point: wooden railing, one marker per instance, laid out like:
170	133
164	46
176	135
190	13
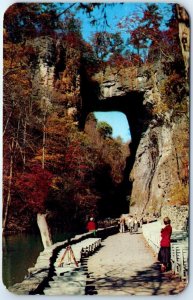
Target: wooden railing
179	259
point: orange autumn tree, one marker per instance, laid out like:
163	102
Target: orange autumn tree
70	158
18	142
24	124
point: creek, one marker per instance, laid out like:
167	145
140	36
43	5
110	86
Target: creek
20	252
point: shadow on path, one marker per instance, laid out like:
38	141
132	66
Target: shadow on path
127	266
148	281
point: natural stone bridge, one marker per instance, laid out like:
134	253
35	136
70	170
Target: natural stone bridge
153	167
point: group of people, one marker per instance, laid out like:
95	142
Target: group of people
132	224
129	223
164	255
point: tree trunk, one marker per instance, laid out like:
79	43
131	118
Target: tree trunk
24	144
44	230
44	143
8	201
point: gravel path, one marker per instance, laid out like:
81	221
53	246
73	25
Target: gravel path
125	265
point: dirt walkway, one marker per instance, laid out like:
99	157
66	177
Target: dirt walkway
125	265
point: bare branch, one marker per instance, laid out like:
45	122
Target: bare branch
64	11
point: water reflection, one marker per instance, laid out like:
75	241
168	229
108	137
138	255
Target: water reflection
20	252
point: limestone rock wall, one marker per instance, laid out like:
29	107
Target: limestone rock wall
155	171
178	215
115	84
158	164
43	67
55	76
184	34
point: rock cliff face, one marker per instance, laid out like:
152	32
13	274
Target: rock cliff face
155	166
179	216
184	34
54	85
155	173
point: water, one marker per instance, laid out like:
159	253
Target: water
20	252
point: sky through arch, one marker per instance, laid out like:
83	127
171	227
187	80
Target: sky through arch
118	122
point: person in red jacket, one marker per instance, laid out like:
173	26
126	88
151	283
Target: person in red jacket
91	225
164	255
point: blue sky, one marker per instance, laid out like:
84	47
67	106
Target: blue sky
115	14
118	122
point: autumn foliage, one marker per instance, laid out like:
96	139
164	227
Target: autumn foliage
34	187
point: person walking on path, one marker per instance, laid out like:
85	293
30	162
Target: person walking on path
129	224
122	224
135	225
164	255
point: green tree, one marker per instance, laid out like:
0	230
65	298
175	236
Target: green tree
104	129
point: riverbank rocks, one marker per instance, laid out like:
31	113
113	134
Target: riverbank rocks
72	281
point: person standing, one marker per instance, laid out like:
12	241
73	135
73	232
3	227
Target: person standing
164	255
130	223
91	225
135	225
122	224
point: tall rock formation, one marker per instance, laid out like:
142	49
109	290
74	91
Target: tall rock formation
158	166
159	153
184	34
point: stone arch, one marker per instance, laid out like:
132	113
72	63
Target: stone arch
133	91
131	104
